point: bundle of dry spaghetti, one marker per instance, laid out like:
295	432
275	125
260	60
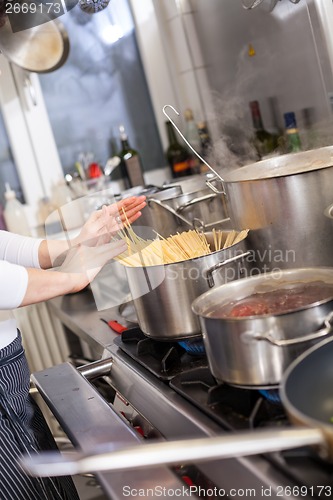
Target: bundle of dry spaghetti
176	248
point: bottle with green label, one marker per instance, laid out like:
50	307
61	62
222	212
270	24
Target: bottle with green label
265	142
131	167
177	155
292	134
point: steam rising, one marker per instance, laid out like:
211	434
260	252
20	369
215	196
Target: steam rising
232	126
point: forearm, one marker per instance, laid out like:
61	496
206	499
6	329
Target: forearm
51	253
44	286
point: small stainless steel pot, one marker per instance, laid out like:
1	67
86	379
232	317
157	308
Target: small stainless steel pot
255	351
162	295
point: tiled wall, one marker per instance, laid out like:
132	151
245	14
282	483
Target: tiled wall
185	57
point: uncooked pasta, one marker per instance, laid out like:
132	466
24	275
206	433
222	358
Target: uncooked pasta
176	248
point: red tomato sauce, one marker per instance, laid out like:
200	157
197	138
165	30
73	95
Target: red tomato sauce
277	301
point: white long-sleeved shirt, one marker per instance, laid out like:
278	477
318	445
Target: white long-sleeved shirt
16	254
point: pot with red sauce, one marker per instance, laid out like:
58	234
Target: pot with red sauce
254	328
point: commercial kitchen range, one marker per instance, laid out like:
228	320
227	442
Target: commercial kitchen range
142	389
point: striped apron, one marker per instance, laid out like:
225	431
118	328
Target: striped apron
23	430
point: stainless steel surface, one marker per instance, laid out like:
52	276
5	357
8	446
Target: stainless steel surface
179	219
166	192
227	25
96	369
172	452
189	184
180	419
89	421
78	312
282	201
207	208
162	295
200	209
238	349
317	335
251	4
39	49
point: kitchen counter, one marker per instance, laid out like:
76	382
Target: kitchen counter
78	312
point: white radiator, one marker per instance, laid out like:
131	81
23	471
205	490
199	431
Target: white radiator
45	345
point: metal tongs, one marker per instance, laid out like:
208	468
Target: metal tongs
217	176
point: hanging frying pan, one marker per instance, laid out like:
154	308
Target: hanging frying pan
39	49
306	394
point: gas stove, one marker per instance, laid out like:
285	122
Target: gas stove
183	367
170	386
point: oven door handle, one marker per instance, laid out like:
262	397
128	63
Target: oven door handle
108	458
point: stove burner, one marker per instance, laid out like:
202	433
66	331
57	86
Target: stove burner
231	407
163	359
193	346
272	395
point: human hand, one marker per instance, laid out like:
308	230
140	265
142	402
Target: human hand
85	262
104	223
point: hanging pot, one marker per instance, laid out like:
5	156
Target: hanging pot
39	49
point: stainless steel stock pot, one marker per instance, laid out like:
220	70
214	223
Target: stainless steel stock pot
286	202
254	351
163	294
191	204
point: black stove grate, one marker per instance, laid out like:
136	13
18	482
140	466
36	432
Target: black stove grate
231	407
163	359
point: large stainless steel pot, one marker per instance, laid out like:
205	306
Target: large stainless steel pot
163	295
201	209
255	351
285	202
191	183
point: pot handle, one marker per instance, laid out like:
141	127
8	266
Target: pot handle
328	327
169	209
207	197
329	212
209	272
213	188
216	222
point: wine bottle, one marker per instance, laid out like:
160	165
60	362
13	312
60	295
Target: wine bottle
177	155
293	138
131	167
264	142
205	144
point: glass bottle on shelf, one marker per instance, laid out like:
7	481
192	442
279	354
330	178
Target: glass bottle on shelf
177	155
205	144
131	167
292	133
14	214
265	142
193	137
